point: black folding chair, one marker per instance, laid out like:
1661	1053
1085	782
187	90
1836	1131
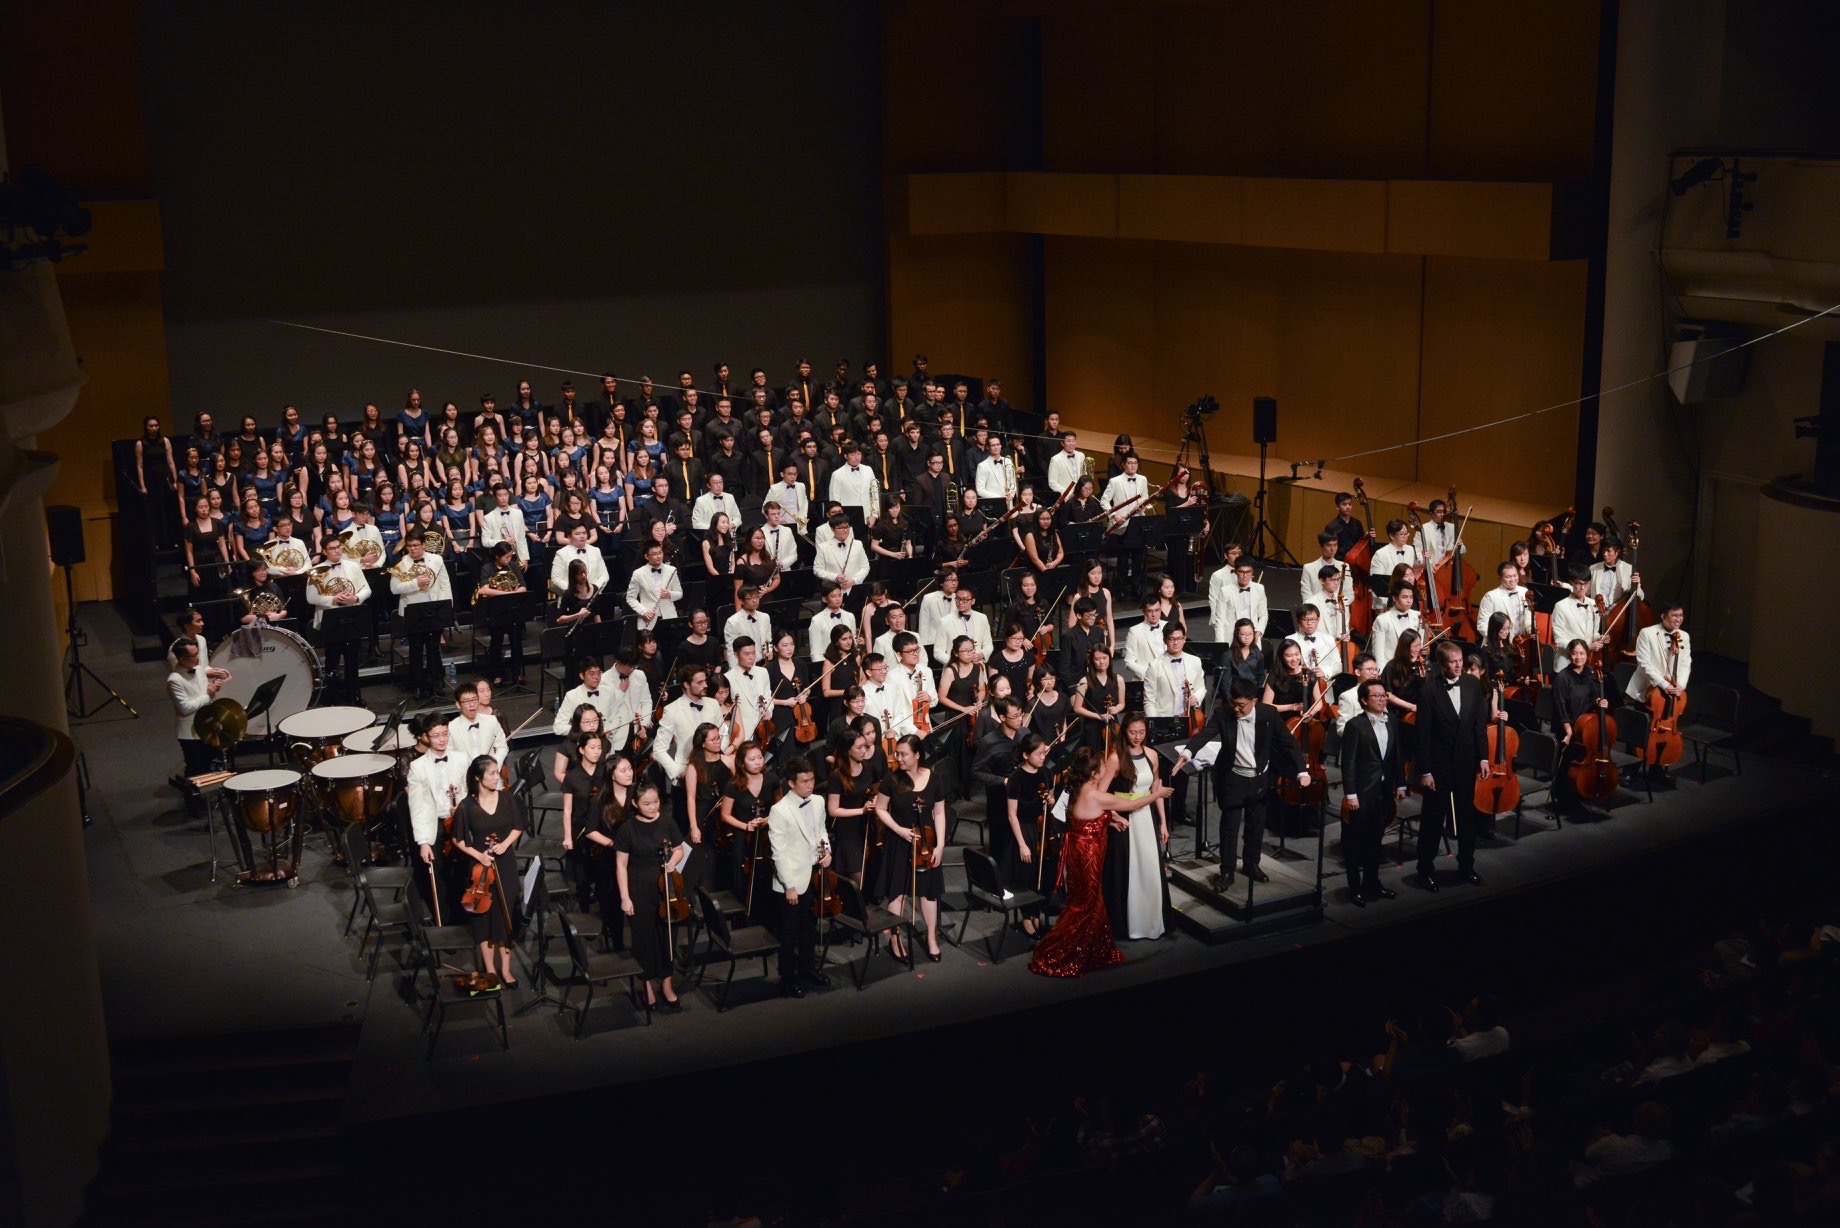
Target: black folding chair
986	890
748	942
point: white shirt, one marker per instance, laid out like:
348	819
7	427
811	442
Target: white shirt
1435	541
909	686
1383	737
953	625
506	524
601	697
1347	707
1311	588
795	830
1227	604
1389	625
857	486
631	699
354	576
1245	743
412	594
1573	619
559	567
749	689
1514	604
1654	659
1334	620
755	626
836	560
671	749
934	606
1323	645
792	502
1123	489
818	635
994	478
883	700
660	587
708	504
1163	679
1386	558
190	692
1612	582
484	736
437	783
1143	644
1064	468
364	533
782	544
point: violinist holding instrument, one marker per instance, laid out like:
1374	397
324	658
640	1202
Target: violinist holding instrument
744	813
487	826
849	792
911	806
643	868
1373	782
798	844
1030	795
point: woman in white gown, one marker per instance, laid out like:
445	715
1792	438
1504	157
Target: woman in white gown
1147	831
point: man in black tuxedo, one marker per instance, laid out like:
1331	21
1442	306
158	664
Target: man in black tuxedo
1452	748
1253	742
1373	776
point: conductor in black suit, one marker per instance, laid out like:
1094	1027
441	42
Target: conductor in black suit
1253	741
1453	749
1373	776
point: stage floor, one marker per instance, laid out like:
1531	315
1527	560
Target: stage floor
183	956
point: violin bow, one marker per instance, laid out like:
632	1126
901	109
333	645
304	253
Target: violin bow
434	892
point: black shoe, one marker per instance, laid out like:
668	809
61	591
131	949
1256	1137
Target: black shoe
670	1006
1383	893
1255	874
1424	882
1223	881
816	979
1358	900
789	987
935	956
1472	878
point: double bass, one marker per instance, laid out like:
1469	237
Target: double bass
1639	615
1359	558
1664	741
1456	578
1593	772
1499	791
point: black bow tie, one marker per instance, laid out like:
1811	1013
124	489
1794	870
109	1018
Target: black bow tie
1453	684
658	571
591	695
804	803
697	707
474	725
442	759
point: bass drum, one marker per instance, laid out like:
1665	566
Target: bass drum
279	654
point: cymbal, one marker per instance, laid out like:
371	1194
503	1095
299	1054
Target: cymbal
220	724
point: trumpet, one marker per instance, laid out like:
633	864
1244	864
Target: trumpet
327	581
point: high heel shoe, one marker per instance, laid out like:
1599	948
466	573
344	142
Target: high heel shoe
935	956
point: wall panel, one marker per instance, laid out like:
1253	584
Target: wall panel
1098	92
1101	333
965	302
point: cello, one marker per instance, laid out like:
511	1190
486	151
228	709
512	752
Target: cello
1664	741
1359	557
1593	773
1310	730
1457	577
1499	791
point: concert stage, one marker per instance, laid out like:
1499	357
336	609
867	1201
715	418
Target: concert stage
182	956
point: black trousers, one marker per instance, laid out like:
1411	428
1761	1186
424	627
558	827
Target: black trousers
1363	834
345	651
425	661
798	935
1242	817
198	756
515	633
1435	818
1163	730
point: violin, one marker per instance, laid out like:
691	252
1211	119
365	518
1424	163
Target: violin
923	716
1499	791
1359	558
750	852
477	898
1196	718
1593	773
765	729
673	905
828	902
1664	741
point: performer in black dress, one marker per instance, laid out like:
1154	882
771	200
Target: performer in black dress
1051	707
1014	659
911	799
853	777
744	813
581	790
706	778
1098	699
1030	863
597	836
641	846
487	825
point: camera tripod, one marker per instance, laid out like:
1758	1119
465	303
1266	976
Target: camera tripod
74	669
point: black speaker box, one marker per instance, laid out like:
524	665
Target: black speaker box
65	524
1264	419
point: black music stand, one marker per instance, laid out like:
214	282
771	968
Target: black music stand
1173	751
1082	539
509	613
428	618
1182	522
670	632
262	704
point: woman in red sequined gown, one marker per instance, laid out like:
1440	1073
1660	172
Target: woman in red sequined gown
1081	939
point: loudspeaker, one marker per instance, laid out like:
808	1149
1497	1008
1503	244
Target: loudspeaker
1264	419
1706	368
65	524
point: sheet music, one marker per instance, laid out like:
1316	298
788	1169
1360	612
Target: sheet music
1206	756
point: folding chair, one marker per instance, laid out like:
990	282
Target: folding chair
748	942
1713	722
590	970
871	921
986	890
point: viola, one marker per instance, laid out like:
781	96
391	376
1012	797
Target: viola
1664	741
1593	772
477	898
804	723
1359	557
1500	791
1197	720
